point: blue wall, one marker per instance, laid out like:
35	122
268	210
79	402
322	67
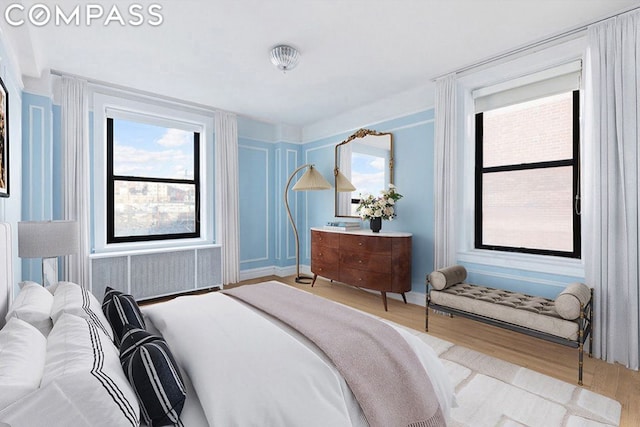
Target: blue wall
267	243
256	180
266	238
413	137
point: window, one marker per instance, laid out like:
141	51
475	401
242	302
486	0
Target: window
527	174
153	181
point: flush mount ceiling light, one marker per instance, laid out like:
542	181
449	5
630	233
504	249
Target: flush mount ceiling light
285	57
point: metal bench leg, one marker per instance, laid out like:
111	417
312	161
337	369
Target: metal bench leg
580	363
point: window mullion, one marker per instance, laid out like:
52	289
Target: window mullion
159	180
528	166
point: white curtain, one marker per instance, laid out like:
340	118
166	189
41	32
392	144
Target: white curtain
445	170
611	184
227	195
75	163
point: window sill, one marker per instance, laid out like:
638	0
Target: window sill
152	246
538	263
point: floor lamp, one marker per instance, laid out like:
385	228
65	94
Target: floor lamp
47	240
311	180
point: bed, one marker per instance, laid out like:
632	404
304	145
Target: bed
219	359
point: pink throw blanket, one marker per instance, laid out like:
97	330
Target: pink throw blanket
381	369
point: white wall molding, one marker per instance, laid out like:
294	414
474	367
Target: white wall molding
386	109
183	116
535	62
42	86
267	198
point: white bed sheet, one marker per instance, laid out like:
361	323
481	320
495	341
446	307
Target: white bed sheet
248	368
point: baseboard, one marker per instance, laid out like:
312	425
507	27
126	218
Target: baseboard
255	273
273	270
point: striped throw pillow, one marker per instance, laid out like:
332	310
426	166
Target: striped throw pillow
121	309
153	373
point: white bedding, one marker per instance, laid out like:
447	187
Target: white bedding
249	369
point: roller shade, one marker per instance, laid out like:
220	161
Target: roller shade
564	78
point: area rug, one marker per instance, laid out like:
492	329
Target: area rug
492	392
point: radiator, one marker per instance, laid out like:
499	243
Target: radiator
154	273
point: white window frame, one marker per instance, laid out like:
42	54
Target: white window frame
538	62
162	113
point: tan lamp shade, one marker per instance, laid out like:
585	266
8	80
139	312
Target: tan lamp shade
343	185
311	180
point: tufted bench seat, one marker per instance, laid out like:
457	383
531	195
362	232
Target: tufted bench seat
565	320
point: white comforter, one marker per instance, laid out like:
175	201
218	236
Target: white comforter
249	369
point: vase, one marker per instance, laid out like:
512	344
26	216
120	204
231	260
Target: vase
375	224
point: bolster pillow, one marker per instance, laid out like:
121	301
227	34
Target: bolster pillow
568	301
445	277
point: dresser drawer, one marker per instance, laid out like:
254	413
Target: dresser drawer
325	238
324	254
370	244
366	279
325	269
368	261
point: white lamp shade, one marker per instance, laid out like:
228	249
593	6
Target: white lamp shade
47	239
311	180
343	185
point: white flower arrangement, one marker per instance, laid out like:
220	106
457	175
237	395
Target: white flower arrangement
382	206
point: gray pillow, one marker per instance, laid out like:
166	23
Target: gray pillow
445	277
568	301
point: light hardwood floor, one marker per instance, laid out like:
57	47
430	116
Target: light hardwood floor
555	360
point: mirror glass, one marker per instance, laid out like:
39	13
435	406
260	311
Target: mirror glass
366	160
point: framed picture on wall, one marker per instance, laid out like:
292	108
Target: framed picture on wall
4	140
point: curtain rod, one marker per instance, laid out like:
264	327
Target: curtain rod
547	41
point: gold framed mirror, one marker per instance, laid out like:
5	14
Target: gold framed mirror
365	160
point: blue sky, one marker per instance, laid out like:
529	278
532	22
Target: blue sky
367	173
152	151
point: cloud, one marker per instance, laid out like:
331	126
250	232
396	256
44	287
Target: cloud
379	163
371	183
175	138
171	163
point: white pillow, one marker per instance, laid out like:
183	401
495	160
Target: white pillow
73	299
85	365
39	408
22	356
33	305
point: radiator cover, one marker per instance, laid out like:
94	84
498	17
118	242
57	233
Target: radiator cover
154	273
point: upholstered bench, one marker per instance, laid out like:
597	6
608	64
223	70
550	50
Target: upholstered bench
566	320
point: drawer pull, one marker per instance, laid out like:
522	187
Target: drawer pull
359	243
359	261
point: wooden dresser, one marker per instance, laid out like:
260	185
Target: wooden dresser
377	261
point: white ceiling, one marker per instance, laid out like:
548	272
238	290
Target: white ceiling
353	52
